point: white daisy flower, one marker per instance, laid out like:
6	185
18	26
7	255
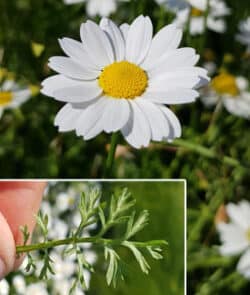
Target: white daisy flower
244	35
120	79
196	11
232	91
235	235
97	7
12	95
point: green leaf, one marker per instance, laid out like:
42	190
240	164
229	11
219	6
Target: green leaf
139	257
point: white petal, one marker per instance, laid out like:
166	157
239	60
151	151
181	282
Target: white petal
174	79
200	4
76	51
78	94
137	131
172	60
233	238
49	85
237	215
64	89
139	39
175	126
116	114
124	29
90	116
197	25
172	96
8	85
217	25
157	121
239	106
20	97
70	68
168	38
243	266
115	36
101	7
66	118
97	44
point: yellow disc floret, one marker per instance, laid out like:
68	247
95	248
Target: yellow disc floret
225	83
123	80
5	97
196	12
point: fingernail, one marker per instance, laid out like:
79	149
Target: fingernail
2	269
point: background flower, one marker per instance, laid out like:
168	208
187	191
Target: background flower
235	235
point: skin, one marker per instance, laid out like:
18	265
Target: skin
19	202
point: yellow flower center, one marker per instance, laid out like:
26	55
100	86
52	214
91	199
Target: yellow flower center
225	83
248	234
123	80
196	12
5	97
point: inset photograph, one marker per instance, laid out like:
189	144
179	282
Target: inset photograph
92	237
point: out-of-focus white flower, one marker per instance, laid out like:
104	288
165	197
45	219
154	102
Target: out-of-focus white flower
235	235
36	289
4	287
119	78
13	95
232	91
19	284
244	35
196	11
63	268
65	200
59	229
97	7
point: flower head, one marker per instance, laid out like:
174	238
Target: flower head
232	90
196	11
235	235
120	78
11	94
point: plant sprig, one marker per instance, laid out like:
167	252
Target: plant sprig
118	211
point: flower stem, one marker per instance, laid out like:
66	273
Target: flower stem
209	153
111	155
94	240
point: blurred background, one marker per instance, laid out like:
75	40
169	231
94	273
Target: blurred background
165	203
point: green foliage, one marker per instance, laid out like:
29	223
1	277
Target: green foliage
92	211
165	203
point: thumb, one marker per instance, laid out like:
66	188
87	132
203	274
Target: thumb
19	202
7	248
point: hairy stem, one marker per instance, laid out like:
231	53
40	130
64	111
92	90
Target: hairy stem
209	153
111	155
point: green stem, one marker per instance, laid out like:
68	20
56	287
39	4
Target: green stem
94	240
111	155
209	153
208	262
